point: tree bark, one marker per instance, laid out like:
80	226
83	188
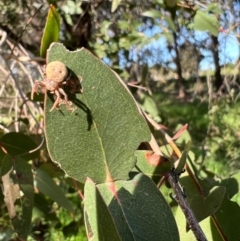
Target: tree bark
218	79
181	90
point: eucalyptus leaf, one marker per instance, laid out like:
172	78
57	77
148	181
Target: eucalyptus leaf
170	23
115	4
185	137
228	216
171	3
16	144
22	221
47	186
202	207
209	229
206	22
151	164
149	105
152	14
6	165
214	8
182	161
232	185
51	30
98	220
139	210
99	138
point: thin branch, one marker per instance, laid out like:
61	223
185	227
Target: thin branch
190	217
4	129
29	20
78	190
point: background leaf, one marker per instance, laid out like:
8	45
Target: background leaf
148	104
98	139
214	8
171	3
202	206
22	222
16	143
206	22
152	14
170	23
47	186
51	30
228	216
208	228
182	160
151	164
232	185
115	4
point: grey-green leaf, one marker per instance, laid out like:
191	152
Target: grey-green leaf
51	30
151	164
98	220
228	217
206	22
204	207
19	144
22	221
139	210
214	8
115	4
152	14
99	138
47	186
183	158
149	105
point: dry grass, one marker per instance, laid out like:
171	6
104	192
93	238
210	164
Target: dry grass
18	71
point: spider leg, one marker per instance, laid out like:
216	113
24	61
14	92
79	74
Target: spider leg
57	101
44	69
35	88
63	93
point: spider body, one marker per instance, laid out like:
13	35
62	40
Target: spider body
54	78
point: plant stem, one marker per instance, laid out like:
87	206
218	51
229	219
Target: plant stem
190	217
